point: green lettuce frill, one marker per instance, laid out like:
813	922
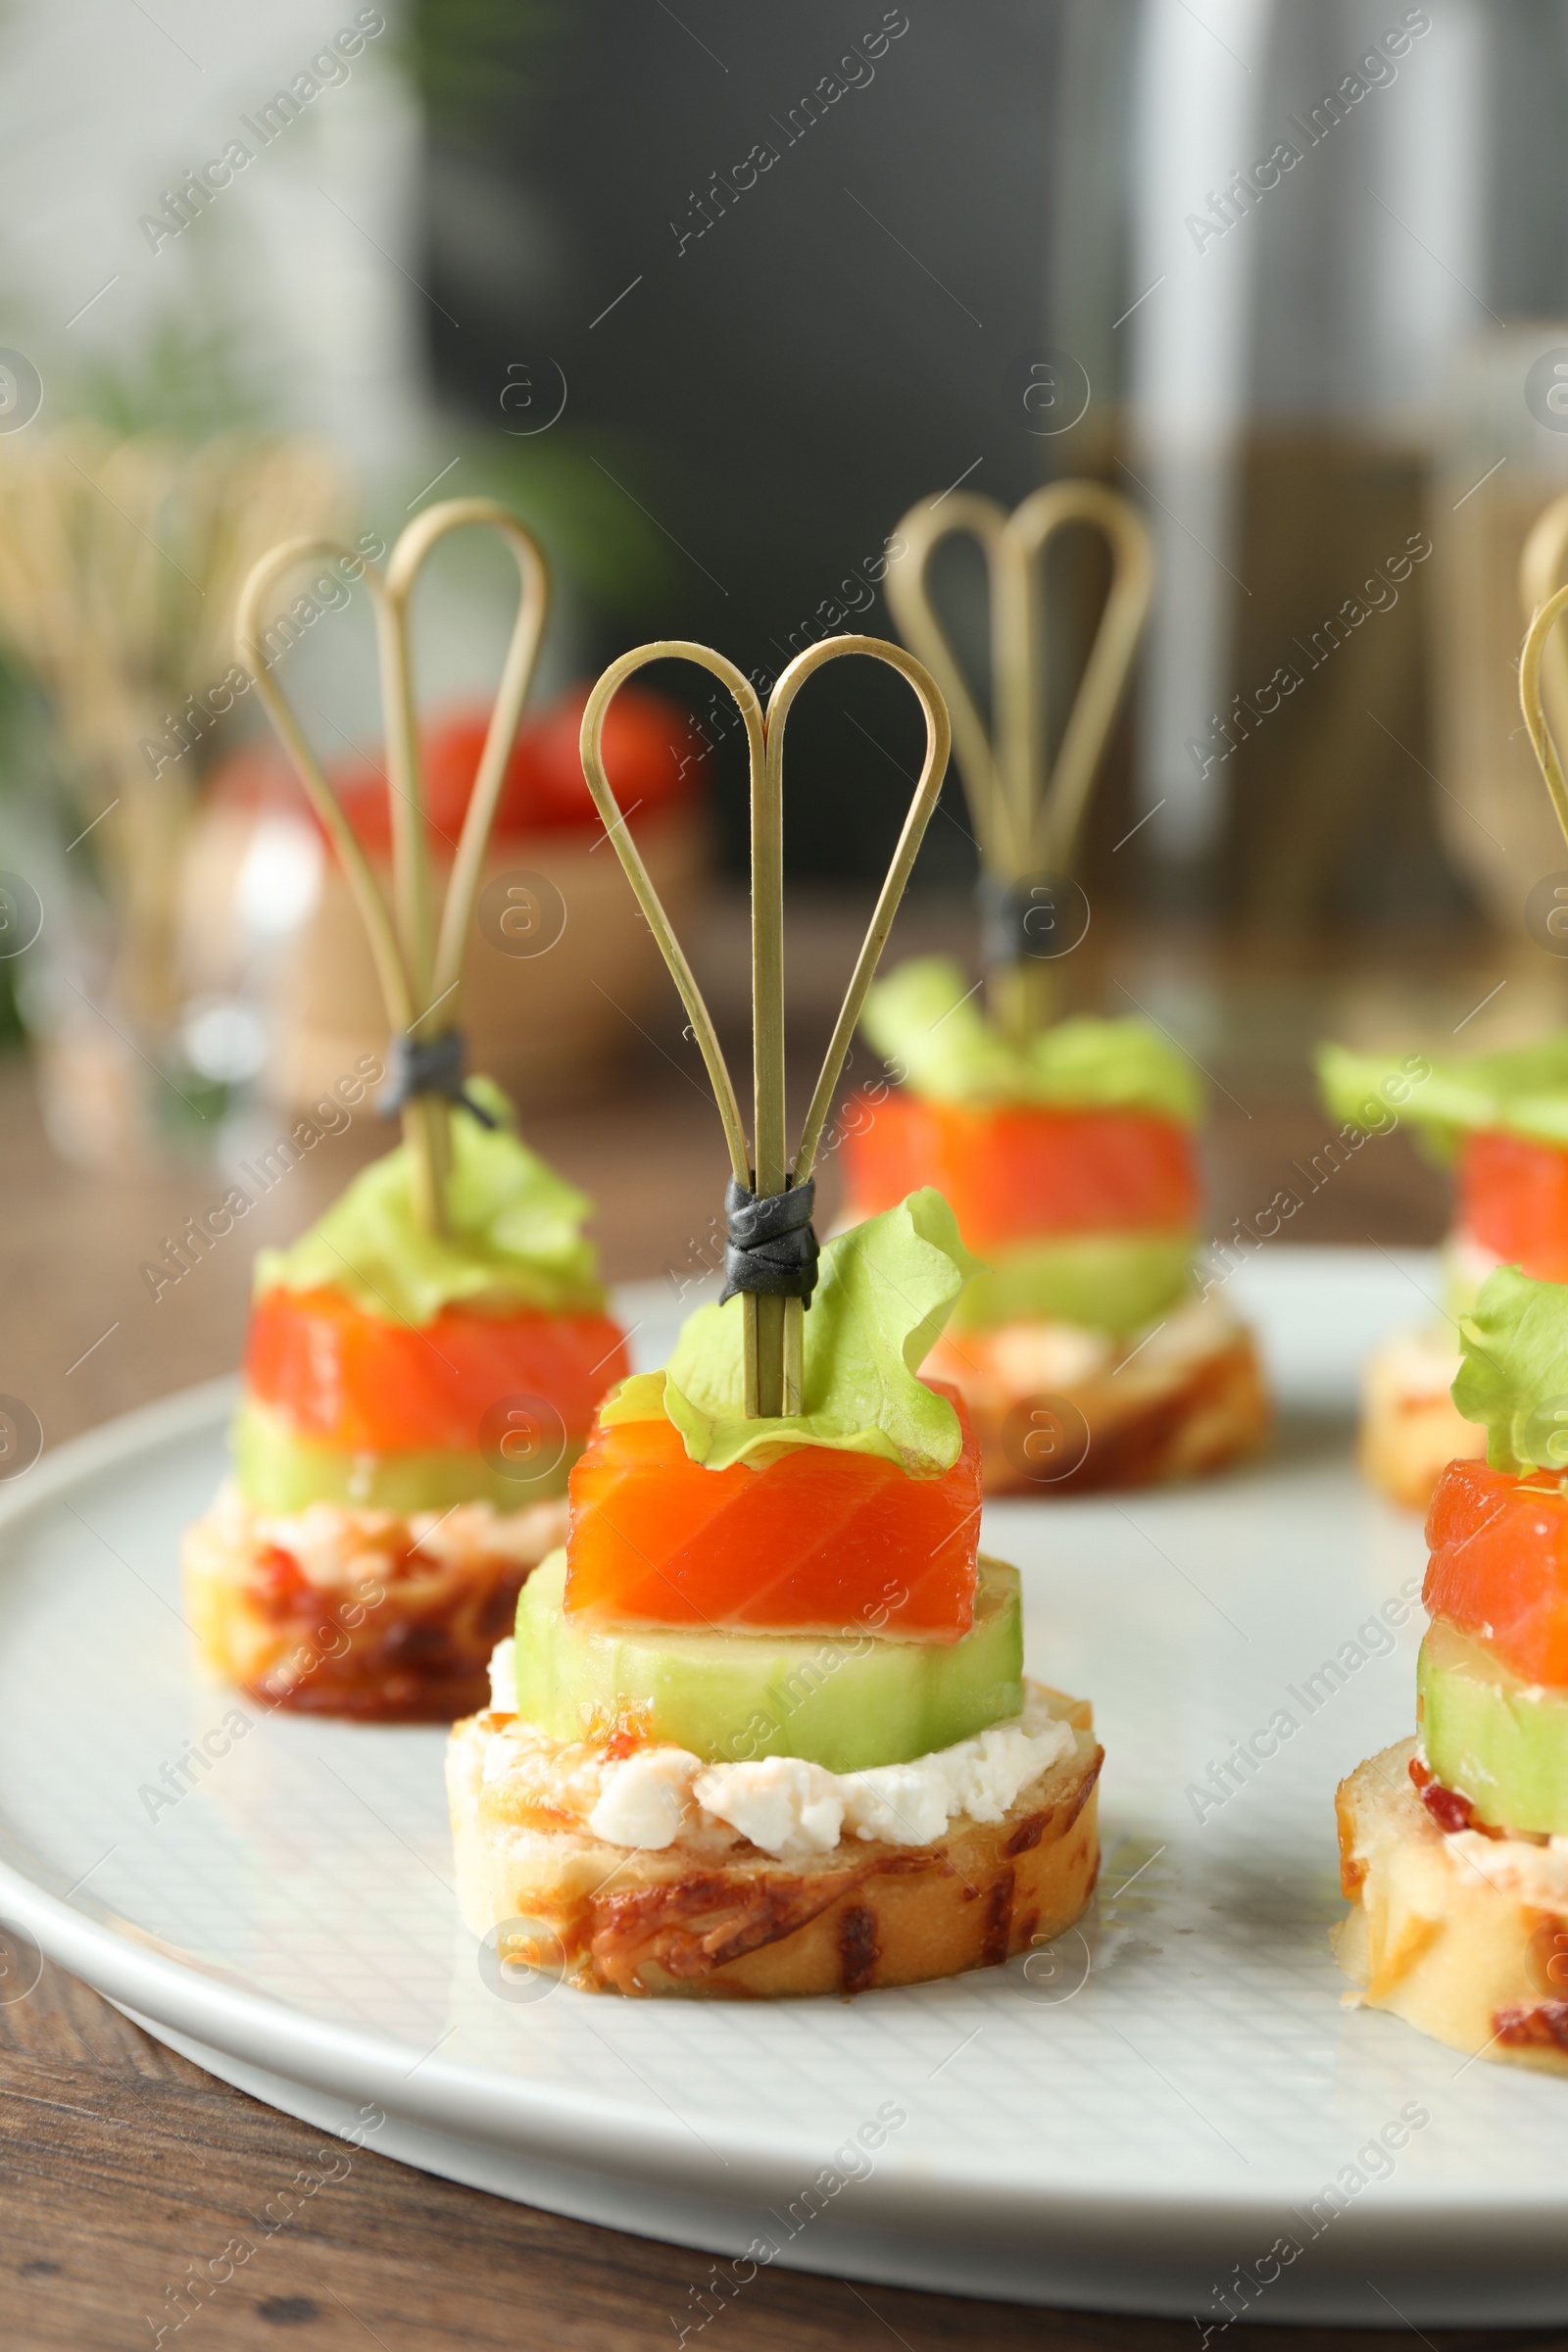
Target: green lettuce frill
1513	1375
927	1021
1522	1093
514	1239
884	1293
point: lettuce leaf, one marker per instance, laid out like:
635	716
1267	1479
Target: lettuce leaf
1513	1375
1522	1093
926	1018
885	1292
516	1234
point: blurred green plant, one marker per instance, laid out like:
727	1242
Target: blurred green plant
187	380
473	61
565	486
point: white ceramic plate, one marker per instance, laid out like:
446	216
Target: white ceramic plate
1135	2129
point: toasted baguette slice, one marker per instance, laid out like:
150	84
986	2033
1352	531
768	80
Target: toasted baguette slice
339	1611
1462	1935
715	1916
1411	1429
1189	1399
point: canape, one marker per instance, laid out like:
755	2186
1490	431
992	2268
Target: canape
1087	1352
413	1403
1453	1845
763	1728
423	1364
1501	1122
1500	1119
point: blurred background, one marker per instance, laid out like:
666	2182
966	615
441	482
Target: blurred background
712	296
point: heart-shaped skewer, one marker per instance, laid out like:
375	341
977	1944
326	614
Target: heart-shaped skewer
763	1170
418	956
1027	810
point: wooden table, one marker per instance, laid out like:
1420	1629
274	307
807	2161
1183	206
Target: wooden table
123	2163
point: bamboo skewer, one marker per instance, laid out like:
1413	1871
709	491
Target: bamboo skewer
979	759
773	1342
1027	810
774	1335
418	963
637	874
383	938
1536	640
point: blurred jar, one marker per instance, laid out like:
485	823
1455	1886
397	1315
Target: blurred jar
120	558
562	971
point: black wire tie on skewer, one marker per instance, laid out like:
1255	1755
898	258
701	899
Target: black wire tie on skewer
429	1065
771	1246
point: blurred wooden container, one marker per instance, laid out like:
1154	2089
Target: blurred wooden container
549	1026
268	920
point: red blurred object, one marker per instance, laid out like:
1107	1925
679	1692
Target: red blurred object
1513	1198
1014	1173
653	752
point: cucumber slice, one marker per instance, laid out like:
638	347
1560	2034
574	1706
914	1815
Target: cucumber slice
728	1697
1106	1281
279	1471
1498	1740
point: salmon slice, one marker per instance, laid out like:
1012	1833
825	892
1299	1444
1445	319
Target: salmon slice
1498	1568
369	1385
1513	1198
1017	1172
817	1541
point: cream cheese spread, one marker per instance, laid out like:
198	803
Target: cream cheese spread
784	1805
337	1544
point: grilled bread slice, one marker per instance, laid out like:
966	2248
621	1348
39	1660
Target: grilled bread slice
1463	1934
1157	1413
364	1613
713	1915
